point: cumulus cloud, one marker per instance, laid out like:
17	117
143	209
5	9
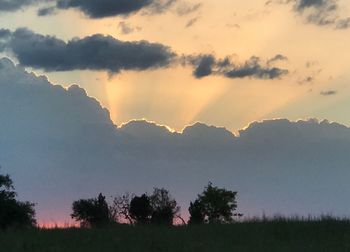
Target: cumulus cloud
97	52
110	8
320	12
67	139
206	65
45	130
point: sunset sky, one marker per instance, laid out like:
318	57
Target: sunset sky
314	53
271	76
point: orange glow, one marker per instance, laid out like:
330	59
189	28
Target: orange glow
57	225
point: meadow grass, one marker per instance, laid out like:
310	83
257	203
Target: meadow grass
254	235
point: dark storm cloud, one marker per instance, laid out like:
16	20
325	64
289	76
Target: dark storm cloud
320	12
206	65
95	52
109	8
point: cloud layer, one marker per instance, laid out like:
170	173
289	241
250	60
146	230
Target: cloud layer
97	52
320	12
14	5
67	140
110	8
206	65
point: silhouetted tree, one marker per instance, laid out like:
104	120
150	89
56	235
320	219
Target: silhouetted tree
164	207
196	213
92	212
214	205
158	208
121	208
14	213
140	209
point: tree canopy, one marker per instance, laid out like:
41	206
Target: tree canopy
14	213
157	208
213	205
164	207
93	212
141	209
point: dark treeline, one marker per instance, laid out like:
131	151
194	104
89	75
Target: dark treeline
213	205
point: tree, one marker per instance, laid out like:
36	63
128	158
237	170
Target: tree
14	213
92	212
158	208
164	207
196	213
121	208
214	205
140	209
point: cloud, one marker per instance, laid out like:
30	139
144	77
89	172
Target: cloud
306	80
320	12
191	22
278	57
56	123
47	11
206	65
159	6
14	5
343	23
126	28
68	140
328	92
186	8
97	52
110	8
105	53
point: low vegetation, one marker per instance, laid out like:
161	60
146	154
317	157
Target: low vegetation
273	235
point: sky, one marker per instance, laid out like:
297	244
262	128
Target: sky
123	93
306	34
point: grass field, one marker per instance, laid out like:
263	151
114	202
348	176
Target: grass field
277	235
